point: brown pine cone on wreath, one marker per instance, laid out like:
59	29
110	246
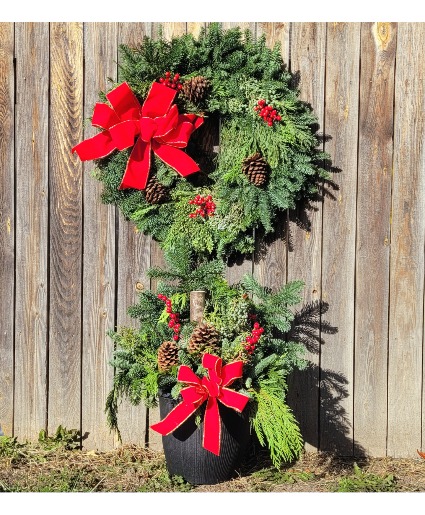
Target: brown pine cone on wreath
167	356
204	338
195	88
256	168
155	192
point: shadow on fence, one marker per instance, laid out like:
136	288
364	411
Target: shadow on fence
315	393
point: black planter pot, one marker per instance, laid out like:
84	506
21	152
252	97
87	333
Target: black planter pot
185	455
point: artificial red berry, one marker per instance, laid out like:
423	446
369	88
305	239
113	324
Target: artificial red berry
175	337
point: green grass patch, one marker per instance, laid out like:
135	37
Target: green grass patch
361	481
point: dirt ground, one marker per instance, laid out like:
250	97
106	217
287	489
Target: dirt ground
132	469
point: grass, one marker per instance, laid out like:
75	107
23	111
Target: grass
57	464
361	481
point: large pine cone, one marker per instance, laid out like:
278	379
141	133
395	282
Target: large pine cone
256	168
204	338
167	356
155	192
195	88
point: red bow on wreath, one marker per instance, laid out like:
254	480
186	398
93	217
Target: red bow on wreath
211	389
157	125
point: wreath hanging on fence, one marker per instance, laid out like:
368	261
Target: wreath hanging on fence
204	140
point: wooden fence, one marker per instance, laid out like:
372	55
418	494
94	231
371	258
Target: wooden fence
70	266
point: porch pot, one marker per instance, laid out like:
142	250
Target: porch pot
185	455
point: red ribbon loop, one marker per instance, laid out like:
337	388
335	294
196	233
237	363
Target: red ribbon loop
211	389
155	126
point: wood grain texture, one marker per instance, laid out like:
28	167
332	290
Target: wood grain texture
308	43
339	237
276	32
133	261
66	231
407	246
32	236
378	48
100	51
236	269
270	256
195	27
7	225
170	30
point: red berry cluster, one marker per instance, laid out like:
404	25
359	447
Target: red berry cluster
267	113
206	206
171	82
252	340
174	322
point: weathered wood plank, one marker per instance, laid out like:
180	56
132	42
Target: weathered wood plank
32	237
308	43
270	256
195	27
276	32
339	233
243	25
133	261
66	111
407	246
7	225
378	47
99	252
170	30
236	269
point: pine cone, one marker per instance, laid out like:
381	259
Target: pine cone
167	356
256	168
155	192
195	88
204	339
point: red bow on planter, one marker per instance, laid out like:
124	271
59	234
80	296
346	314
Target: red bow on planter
211	389
157	125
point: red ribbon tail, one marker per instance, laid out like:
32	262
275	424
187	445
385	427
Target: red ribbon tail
234	400
212	427
174	419
96	147
137	172
176	158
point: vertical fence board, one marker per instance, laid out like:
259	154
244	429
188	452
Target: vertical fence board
308	43
237	269
32	87
276	32
270	264
195	27
339	232
133	262
170	30
66	94
99	252
7	225
378	46
407	246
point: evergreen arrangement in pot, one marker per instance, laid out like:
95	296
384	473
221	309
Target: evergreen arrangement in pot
218	362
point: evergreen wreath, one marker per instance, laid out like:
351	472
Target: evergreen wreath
257	149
